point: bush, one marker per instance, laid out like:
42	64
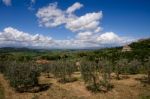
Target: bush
106	72
22	75
121	67
96	75
64	70
147	69
47	68
134	66
2	66
89	72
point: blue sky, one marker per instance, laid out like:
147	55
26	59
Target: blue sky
116	21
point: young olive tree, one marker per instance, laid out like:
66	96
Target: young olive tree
134	66
96	75
47	68
106	73
147	69
90	73
121	67
64	70
22	75
2	66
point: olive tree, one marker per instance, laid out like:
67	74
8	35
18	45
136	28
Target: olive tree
22	75
134	66
147	68
96	75
106	67
121	67
64	70
89	73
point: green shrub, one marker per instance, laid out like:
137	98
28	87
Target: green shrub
64	70
96	75
121	67
147	69
2	94
22	75
134	66
106	73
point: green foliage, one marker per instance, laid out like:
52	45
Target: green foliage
106	72
141	44
50	57
97	75
121	67
22	75
63	70
2	66
2	94
89	72
134	66
147	69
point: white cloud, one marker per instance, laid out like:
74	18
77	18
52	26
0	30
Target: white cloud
108	37
31	5
7	2
87	28
33	1
74	7
51	16
84	35
89	21
13	37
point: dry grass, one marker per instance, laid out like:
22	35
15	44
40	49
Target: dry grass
128	88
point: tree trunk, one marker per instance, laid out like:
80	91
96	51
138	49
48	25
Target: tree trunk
118	76
94	81
48	76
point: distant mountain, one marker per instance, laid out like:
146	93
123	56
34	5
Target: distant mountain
14	49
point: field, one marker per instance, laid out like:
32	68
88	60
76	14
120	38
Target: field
76	74
127	88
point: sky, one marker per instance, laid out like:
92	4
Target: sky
73	23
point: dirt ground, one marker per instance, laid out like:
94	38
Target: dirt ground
127	88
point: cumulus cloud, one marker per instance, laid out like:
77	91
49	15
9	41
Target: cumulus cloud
7	2
13	37
31	5
51	16
89	21
33	1
87	29
74	7
84	35
108	37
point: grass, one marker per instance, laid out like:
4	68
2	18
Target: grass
2	96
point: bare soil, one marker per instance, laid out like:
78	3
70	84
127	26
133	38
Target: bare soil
126	88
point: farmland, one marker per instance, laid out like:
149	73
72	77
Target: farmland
107	73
